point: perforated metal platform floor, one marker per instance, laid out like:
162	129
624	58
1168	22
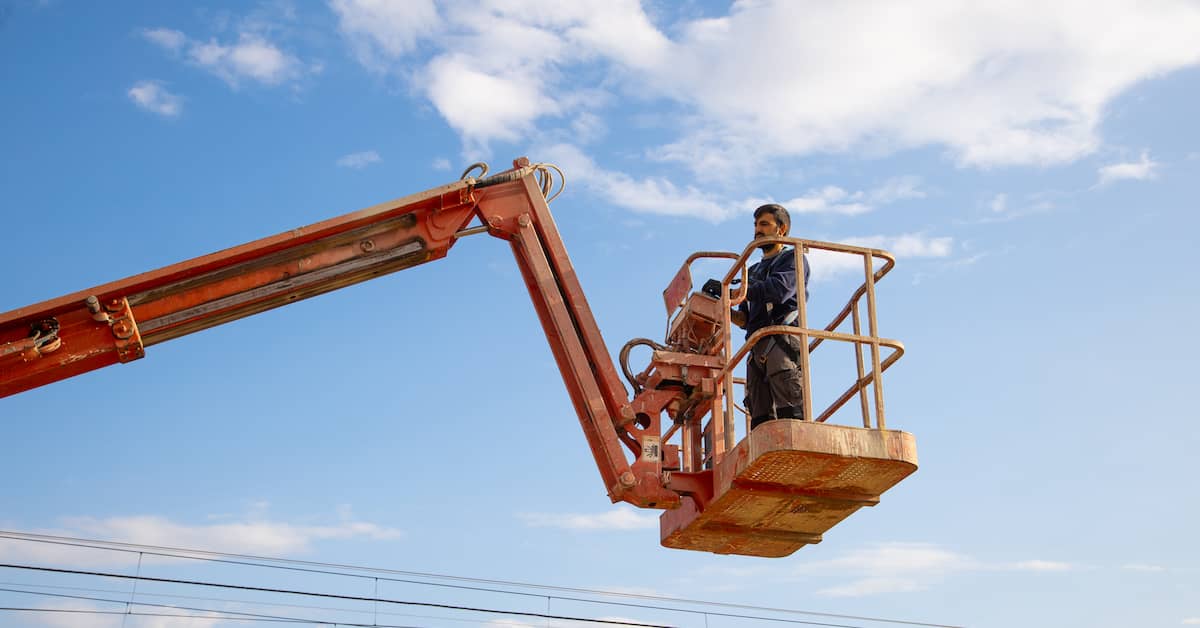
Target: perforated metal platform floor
787	484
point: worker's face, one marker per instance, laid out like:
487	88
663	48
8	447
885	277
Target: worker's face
766	227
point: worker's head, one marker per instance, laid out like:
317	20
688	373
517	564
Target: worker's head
771	220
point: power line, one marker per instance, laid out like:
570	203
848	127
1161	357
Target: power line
323	568
251	616
338	596
80	611
177	596
210	613
151	604
367	599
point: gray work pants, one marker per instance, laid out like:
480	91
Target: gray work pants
774	386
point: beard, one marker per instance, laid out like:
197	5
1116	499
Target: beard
767	247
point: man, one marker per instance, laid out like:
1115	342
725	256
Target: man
774	388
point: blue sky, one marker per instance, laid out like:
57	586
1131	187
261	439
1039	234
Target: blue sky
1032	165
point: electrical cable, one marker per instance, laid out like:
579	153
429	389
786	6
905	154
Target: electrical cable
151	604
265	562
77	611
302	620
177	596
336	596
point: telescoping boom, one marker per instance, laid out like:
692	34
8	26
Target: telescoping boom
672	445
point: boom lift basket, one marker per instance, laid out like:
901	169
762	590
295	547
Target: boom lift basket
788	481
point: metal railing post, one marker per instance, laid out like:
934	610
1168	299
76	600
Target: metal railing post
723	438
802	318
858	359
877	371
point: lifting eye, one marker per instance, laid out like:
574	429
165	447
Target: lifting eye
642	420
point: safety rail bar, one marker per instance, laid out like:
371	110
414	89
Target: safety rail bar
722	432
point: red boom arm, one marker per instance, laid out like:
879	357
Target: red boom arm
115	322
777	490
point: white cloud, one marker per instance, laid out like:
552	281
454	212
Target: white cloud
77	614
521	85
610	620
634	591
831	199
441	163
1139	170
826	265
587	127
1041	565
617	519
886	558
252	57
510	623
1191	621
907	245
615	620
359	160
1003	210
262	537
381	30
241	537
167	38
1143	567
658	195
153	97
790	78
872	586
890	568
905	567
1028	86
654	195
835	200
896	189
455	83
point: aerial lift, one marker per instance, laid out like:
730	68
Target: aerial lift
777	489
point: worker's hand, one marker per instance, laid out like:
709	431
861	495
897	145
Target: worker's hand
737	317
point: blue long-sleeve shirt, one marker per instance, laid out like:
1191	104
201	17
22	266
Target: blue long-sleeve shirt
771	295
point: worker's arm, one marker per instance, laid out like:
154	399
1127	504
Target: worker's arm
738	317
779	285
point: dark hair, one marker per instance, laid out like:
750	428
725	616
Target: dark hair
781	215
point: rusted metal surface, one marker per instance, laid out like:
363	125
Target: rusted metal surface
787	484
678	289
698	327
207	291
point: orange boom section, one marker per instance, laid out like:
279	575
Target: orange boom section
671	446
116	322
